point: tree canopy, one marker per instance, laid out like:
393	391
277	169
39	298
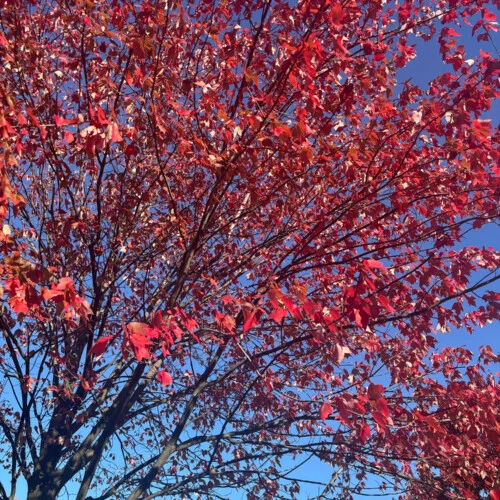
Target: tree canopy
232	234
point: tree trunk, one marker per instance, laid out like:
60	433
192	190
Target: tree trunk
43	485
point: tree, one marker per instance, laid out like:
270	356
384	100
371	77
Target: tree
231	237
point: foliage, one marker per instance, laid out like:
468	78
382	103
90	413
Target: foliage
231	239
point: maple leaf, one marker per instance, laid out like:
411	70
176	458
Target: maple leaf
113	133
251	316
100	346
140	345
137	334
374	264
375	391
164	378
364	433
325	410
278	314
340	352
336	15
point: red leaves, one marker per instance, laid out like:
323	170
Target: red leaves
482	130
137	334
430	421
18	302
145	340
225	321
489	16
325	410
64	295
381	414
349	408
251	76
265	204
380	411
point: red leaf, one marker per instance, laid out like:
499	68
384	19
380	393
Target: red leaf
325	410
141	345
65	284
358	319
278	314
69	137
251	317
382	407
379	418
386	303
137	335
336	15
489	16
61	121
374	264
176	329
364	433
482	129
100	346
227	299
495	494
164	377
375	391
18	305
157	320
225	321
189	323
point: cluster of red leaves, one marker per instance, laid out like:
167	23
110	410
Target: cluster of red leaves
259	219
